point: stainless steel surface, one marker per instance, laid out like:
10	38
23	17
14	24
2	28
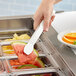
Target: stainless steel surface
64	52
10	25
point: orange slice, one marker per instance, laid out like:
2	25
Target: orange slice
68	40
70	35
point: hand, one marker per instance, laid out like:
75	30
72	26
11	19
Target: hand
44	12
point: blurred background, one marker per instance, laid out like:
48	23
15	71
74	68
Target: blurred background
27	7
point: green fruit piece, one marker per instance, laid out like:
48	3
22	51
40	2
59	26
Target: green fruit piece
39	63
74	43
27	66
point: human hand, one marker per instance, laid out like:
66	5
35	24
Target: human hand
44	12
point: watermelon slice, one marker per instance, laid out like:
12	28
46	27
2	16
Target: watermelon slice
39	63
27	66
18	46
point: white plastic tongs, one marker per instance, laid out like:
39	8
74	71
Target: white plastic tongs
29	47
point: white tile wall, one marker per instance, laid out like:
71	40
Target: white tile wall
26	7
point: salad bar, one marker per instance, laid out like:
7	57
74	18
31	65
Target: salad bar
15	32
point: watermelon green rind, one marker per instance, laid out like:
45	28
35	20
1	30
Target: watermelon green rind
40	63
18	42
27	65
36	53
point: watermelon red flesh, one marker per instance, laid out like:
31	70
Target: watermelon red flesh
22	58
26	58
18	46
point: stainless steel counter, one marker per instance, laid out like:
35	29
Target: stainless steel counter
65	52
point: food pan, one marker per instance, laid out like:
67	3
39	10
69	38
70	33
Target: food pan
19	68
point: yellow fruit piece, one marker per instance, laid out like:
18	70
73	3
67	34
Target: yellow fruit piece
9	47
21	37
70	35
9	52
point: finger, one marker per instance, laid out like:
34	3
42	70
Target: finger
46	24
46	21
52	19
37	19
37	23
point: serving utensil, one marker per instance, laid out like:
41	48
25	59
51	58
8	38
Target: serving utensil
29	47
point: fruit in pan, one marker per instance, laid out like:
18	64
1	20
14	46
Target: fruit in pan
27	66
18	46
39	63
21	37
9	47
15	62
9	52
